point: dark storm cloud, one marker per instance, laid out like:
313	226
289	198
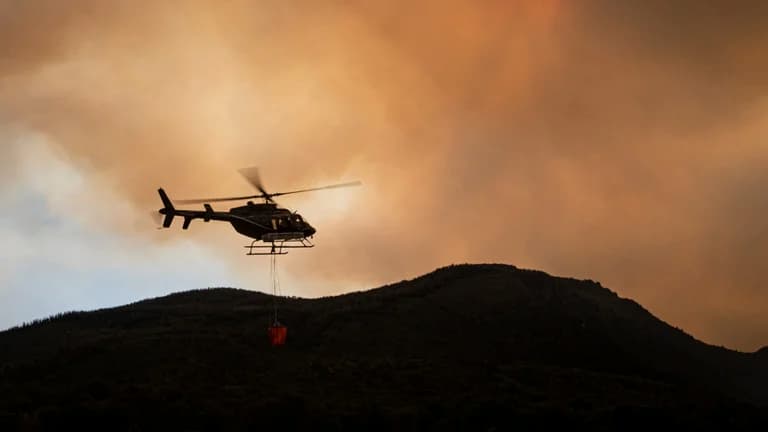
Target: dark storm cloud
620	141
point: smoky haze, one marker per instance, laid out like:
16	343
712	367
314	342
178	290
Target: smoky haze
607	140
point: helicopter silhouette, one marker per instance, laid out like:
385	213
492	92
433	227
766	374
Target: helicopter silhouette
275	227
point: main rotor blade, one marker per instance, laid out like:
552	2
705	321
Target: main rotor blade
252	176
211	200
335	186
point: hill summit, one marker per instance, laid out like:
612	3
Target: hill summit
466	346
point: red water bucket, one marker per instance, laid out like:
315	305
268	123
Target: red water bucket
277	334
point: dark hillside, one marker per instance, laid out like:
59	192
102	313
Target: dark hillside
470	346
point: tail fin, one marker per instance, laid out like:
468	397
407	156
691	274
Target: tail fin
167	210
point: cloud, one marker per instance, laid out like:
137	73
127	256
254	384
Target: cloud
605	140
53	259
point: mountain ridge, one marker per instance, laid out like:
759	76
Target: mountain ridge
464	339
445	269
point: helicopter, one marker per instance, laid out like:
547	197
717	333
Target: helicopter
274	229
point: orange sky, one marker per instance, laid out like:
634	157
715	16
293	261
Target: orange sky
603	140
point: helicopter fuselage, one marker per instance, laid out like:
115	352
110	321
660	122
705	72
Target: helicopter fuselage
266	222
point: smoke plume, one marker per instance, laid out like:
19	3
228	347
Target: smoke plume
618	141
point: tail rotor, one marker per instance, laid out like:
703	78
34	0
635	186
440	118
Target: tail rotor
157	219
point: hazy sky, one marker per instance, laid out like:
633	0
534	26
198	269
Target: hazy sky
618	141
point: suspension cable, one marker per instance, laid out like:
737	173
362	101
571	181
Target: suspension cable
275	286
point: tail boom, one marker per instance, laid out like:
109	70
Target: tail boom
171	212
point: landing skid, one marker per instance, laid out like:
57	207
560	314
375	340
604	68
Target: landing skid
278	247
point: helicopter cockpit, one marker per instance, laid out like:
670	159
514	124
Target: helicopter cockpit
292	221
